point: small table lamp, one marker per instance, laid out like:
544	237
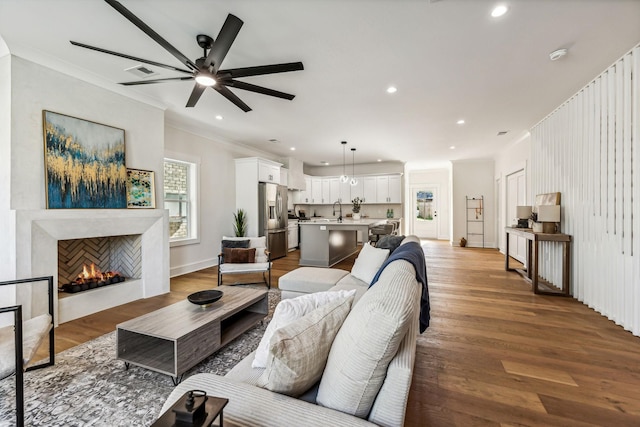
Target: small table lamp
523	213
549	215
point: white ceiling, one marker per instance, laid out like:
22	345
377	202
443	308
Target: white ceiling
449	59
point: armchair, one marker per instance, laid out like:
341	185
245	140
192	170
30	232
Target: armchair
16	355
244	255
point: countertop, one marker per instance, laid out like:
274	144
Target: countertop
346	221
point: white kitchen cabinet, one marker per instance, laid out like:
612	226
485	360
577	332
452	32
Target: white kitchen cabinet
327	197
345	192
389	189
357	190
369	189
292	235
284	177
316	190
303	197
268	171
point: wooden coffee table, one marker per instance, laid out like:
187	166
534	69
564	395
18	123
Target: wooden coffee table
175	338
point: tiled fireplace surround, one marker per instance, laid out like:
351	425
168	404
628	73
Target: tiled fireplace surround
38	233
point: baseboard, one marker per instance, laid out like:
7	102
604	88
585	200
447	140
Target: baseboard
190	268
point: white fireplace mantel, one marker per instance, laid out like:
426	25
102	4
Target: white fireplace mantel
38	232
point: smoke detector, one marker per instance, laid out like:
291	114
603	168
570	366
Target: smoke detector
557	54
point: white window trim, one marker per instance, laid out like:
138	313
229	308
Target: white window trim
195	203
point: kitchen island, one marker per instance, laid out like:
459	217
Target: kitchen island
325	242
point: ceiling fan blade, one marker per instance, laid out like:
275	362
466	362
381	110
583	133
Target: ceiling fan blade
258	89
261	69
221	45
122	55
222	90
149	82
195	95
148	31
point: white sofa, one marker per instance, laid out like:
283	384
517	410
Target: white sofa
252	405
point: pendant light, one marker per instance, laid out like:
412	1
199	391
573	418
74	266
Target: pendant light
344	177
354	180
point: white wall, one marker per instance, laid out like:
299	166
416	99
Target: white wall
36	88
217	195
472	178
588	151
514	157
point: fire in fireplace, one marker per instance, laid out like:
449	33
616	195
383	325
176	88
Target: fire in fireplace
91	278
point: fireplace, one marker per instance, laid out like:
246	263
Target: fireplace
44	236
98	261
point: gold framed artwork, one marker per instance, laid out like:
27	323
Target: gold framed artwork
141	192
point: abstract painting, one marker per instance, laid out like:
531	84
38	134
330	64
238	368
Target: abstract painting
84	164
140	189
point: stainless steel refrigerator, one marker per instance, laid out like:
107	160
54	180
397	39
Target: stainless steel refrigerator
272	217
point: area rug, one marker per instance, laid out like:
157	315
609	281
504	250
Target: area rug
88	386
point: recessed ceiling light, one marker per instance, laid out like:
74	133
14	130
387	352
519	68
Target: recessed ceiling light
273	140
502	132
379	160
557	54
499	11
460	122
324	163
293	148
452	147
219	117
392	89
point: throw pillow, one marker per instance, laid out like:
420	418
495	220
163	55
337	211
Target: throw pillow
368	340
298	352
288	311
239	255
368	263
390	242
235	243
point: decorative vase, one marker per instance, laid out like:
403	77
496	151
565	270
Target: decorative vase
537	227
356	216
463	242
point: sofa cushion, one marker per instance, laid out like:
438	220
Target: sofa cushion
368	340
389	241
288	311
310	279
239	255
254	406
368	262
33	333
298	352
239	243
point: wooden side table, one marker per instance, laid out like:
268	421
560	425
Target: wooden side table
531	273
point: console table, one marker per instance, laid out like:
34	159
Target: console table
533	255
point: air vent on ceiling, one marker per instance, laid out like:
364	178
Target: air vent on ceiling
141	71
502	132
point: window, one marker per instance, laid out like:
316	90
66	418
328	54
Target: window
180	198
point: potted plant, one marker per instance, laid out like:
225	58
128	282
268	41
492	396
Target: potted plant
356	208
240	223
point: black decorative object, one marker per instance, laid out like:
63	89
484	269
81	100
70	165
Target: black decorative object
205	298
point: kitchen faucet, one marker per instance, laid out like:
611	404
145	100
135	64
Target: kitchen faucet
334	210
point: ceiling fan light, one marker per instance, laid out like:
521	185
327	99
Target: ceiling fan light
205	80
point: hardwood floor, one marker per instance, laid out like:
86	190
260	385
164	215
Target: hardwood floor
494	355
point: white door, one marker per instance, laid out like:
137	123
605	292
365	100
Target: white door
425	211
516	196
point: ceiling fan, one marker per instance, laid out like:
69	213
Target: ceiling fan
205	70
